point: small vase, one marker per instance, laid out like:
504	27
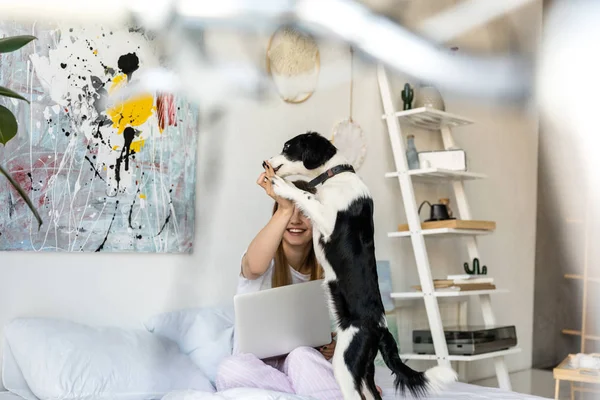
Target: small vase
412	155
429	96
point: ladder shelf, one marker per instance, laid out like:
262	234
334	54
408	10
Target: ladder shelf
476	357
435	120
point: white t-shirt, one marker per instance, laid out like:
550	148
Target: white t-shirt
265	280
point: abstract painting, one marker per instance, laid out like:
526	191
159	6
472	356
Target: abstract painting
106	176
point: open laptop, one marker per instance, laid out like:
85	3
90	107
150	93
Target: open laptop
273	322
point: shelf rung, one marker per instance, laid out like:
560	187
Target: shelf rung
580	277
501	353
437	175
574	332
443	232
430	118
449	293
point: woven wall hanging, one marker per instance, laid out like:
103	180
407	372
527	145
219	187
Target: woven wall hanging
293	61
348	135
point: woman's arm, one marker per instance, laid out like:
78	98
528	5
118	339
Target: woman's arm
262	248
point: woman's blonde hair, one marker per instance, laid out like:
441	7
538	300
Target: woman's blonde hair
281	271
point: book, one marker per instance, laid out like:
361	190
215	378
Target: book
440	283
460	276
472	281
461	287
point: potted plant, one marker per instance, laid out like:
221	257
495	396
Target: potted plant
8	122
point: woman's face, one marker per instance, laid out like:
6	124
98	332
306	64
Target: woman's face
299	230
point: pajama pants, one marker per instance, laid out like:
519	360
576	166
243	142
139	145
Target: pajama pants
303	372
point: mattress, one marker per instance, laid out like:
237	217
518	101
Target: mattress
454	391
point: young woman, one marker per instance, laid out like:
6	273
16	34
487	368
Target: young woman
281	254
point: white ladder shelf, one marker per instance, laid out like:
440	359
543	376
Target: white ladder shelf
430	119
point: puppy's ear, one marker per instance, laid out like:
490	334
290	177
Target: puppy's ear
313	159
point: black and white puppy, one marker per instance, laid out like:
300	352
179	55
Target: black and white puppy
341	212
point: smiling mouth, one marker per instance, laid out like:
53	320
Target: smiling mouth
296	231
277	168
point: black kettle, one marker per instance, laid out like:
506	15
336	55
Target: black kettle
438	212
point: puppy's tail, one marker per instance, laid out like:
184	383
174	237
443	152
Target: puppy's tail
417	383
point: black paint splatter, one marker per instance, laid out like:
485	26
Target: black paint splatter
166	221
128	64
131	209
101	247
63	65
168	215
94	168
128	136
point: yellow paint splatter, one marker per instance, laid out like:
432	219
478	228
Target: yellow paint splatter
137	145
115	147
142	196
133	112
95	52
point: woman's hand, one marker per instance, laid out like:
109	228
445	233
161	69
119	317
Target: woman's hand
329	349
264	181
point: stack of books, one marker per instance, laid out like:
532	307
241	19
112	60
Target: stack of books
462	283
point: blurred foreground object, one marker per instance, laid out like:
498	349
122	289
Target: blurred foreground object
569	81
179	22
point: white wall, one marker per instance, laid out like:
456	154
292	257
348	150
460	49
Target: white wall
124	289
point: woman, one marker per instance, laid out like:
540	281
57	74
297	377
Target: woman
281	254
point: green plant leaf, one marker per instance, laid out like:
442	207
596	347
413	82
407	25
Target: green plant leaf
6	92
13	43
23	195
8	125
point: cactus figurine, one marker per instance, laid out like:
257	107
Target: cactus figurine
407	96
475	270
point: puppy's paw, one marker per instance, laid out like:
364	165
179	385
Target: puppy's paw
283	189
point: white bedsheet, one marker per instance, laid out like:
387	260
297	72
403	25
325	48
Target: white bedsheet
455	391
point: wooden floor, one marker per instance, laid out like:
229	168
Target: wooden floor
539	383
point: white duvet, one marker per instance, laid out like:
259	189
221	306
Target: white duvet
456	391
240	393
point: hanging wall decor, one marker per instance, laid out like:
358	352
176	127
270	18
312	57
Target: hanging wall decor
348	135
293	61
105	176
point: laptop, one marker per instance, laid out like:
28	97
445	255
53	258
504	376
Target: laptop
273	322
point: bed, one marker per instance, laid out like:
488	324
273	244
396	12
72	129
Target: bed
174	358
456	391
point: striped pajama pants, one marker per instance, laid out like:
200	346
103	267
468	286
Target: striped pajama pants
303	372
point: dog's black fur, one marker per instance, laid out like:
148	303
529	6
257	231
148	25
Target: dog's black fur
352	281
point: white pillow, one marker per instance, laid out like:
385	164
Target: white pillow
205	334
63	360
12	377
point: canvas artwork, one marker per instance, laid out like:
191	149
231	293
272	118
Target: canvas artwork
105	177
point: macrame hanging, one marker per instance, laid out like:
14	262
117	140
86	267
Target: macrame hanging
293	61
347	134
